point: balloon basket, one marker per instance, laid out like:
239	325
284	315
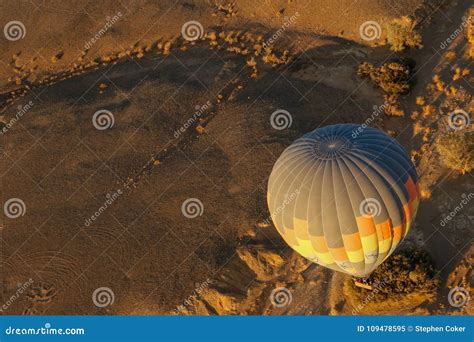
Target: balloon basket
364	283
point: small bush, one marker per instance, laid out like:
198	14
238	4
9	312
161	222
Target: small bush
401	35
455	150
393	77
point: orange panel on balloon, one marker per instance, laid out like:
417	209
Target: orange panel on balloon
397	234
411	188
319	243
407	211
366	225
339	254
384	229
352	241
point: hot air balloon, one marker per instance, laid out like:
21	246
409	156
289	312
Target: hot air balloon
344	196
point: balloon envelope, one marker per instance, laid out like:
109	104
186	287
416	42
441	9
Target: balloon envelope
344	196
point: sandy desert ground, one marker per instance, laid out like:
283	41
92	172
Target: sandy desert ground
185	118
